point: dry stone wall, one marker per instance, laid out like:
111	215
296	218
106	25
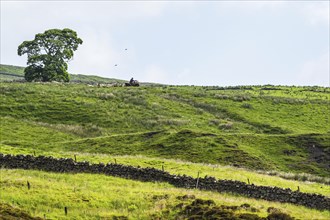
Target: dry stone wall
62	165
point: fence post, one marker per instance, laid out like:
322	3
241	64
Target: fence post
163	168
197	180
28	184
75	158
66	210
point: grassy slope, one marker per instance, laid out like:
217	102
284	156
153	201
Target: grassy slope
11	73
96	196
14	70
285	129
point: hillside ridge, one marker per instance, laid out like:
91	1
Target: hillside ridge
18	73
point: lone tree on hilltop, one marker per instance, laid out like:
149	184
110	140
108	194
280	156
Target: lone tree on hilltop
48	55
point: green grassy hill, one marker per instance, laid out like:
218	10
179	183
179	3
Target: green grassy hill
9	73
277	129
285	128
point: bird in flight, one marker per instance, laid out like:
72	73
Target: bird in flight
117	64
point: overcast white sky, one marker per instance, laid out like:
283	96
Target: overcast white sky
183	42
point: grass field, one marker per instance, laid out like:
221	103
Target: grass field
89	196
271	132
239	133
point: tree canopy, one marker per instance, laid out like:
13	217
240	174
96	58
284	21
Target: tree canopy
48	55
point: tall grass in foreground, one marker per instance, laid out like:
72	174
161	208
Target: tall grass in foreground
90	196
